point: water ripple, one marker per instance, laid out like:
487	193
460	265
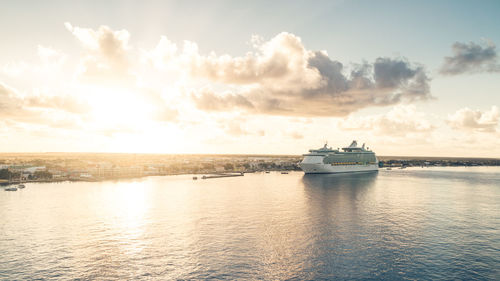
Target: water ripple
402	224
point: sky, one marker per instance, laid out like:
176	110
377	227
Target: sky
418	78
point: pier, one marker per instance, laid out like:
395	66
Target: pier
215	176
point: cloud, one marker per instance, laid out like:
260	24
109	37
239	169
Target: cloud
296	135
162	109
236	125
471	58
47	110
15	69
234	129
282	77
51	57
106	58
399	121
278	77
165	114
66	103
50	65
10	100
468	119
282	58
208	100
162	55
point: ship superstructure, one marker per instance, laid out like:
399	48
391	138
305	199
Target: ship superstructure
351	159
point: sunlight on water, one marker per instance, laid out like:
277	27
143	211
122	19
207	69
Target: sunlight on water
401	224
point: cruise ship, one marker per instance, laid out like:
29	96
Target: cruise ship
351	159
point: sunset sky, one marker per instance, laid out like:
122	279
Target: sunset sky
417	78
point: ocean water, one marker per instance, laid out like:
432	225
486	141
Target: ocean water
411	224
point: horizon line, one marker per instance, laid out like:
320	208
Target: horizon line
235	154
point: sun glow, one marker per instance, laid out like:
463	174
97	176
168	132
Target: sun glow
128	120
119	107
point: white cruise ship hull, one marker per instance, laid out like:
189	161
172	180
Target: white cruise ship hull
316	168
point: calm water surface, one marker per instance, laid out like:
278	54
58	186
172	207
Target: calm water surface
440	223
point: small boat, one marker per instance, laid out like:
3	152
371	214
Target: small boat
12	188
284	173
21	186
267	172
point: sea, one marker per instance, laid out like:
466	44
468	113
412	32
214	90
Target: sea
439	223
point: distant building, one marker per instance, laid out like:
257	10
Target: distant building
85	176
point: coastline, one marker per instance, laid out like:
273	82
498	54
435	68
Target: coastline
208	175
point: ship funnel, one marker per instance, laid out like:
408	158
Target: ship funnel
354	144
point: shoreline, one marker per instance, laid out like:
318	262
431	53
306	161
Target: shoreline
208	175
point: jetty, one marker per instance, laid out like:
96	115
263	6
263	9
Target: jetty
215	176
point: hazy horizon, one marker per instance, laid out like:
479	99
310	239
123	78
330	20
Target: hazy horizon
224	77
380	157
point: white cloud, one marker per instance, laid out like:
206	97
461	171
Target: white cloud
468	119
106	58
282	77
50	64
296	135
10	100
401	120
15	69
38	109
163	56
206	99
283	58
67	103
186	97
51	57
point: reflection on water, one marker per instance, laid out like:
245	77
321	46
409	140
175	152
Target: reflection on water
341	232
329	187
404	224
349	180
